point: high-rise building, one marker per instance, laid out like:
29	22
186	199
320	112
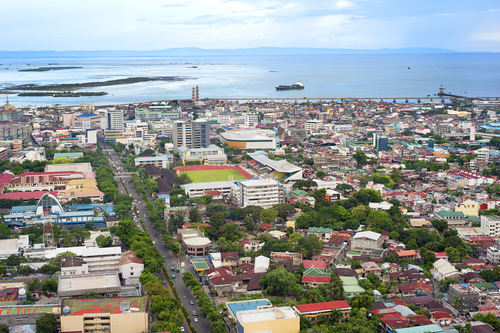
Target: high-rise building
112	123
382	143
191	134
265	193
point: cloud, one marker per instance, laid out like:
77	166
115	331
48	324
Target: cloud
180	4
442	14
343	4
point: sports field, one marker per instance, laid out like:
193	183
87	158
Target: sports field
203	176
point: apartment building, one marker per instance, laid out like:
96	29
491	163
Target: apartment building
491	225
191	134
160	161
251	120
209	155
493	255
261	192
313	125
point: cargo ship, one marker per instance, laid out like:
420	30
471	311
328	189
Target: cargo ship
297	86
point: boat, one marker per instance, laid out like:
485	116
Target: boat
297	86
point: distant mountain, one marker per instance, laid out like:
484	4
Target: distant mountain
193	51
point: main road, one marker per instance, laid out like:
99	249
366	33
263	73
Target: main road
203	325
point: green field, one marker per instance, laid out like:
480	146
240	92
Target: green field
213	175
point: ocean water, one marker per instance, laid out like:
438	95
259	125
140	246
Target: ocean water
254	77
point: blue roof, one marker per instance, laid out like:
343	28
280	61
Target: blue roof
84	207
486	127
163	196
73	214
23	208
155	158
108	208
87	115
247	305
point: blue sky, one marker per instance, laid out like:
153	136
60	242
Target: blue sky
461	25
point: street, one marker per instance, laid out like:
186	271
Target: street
203	325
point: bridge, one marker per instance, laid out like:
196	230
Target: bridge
331	99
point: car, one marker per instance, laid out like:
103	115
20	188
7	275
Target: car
173	276
195	319
194	313
182	329
191	302
164	281
172	268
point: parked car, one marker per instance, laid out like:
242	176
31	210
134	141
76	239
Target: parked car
191	302
194	313
195	319
182	328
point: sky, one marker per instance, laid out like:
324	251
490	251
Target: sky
61	25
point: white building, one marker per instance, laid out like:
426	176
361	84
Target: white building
483	154
251	120
491	225
493	255
224	120
195	190
313	125
342	128
384	205
261	192
13	246
442	270
131	267
366	240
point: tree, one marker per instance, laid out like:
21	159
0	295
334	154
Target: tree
278	282
311	245
217	220
320	174
80	234
365	196
268	215
194	215
50	285
440	225
345	188
379	221
218	327
182	179
360	157
13	260
104	241
4	328
46	324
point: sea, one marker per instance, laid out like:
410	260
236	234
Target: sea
254	77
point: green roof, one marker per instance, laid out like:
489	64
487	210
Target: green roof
349	281
490	287
316	272
200	264
299	192
474	219
420	329
320	230
354	289
29	309
445	213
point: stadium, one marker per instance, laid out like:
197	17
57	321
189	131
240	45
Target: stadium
282	171
211	173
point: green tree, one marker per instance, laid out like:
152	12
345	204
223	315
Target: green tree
46	324
360	157
345	188
365	196
217	220
278	282
218	327
104	241
440	225
311	245
268	215
4	328
80	234
13	260
320	174
50	285
379	221
194	215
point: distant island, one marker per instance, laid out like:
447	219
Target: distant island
73	86
62	94
46	69
194	51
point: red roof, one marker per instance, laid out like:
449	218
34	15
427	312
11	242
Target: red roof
408	253
316	279
398	301
26	195
440	315
314	263
325	306
212	193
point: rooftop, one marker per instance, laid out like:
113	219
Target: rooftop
236	307
78	307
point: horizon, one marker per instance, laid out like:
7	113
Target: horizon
111	25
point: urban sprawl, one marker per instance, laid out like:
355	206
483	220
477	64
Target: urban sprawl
233	216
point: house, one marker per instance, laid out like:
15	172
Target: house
252	245
471	277
222	280
366	240
312	311
288	260
442	270
131	267
468	207
322	233
313	277
229	259
371	268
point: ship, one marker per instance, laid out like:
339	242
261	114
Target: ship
297	86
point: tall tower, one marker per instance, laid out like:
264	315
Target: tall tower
48	229
472	133
193	95
197	94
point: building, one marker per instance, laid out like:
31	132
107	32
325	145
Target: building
465	297
313	125
131	268
191	134
112	124
160	161
493	255
17	246
193	242
312	311
342	128
195	190
483	154
442	270
382	143
273	320
279	170
491	225
113	315
261	192
288	260
251	119
468	207
251	139
366	240
207	156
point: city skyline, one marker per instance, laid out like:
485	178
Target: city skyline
224	24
